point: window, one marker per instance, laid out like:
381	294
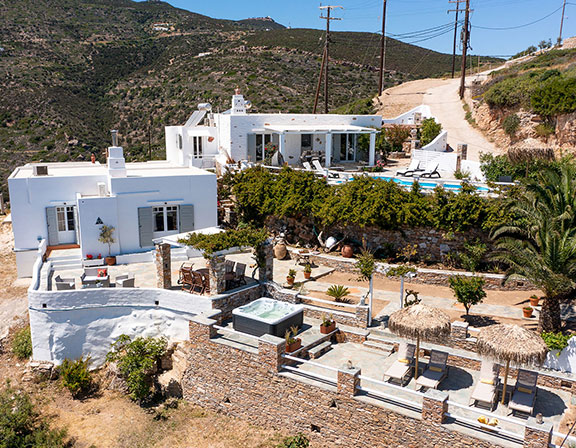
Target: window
261	141
179	141
197	145
66	221
306	141
165	218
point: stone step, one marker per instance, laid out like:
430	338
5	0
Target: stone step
384	347
320	349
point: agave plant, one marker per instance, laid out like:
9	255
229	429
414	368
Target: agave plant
339	293
541	244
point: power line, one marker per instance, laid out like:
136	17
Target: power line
518	26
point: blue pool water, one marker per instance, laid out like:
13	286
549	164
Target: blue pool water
427	185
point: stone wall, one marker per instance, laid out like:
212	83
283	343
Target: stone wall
248	386
235	298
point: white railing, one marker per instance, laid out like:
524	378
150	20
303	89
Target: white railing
394	399
565	438
514	435
329	302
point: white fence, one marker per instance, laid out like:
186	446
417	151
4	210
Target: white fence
446	160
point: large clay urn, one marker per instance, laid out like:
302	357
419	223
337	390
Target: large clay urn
347	251
280	250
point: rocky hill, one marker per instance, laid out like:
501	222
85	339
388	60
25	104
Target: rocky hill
70	70
531	103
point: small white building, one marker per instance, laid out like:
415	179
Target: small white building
237	135
67	204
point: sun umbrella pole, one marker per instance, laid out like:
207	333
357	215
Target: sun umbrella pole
417	355
505	381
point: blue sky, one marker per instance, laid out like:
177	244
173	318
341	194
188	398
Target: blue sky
405	16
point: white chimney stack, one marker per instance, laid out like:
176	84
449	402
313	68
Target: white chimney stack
238	103
115	158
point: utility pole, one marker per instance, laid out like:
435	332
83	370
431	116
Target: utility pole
562	23
327	50
455	34
465	43
382	50
320	75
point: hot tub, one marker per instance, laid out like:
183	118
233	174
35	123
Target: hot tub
267	316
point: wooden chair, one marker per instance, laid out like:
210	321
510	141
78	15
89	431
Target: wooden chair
229	274
186	279
240	275
198	282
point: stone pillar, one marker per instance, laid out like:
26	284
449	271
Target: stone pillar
372	150
463	150
434	405
201	329
362	316
459	330
265	255
270	351
348	381
217	271
163	266
537	435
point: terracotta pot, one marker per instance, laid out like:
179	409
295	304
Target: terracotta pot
290	280
325	330
307	275
534	302
527	312
347	251
294	346
110	261
280	251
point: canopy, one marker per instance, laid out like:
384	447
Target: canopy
319	129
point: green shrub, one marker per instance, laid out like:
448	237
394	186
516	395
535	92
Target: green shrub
429	131
510	124
137	361
217	242
297	441
472	255
469	291
22	427
76	376
556	341
338	293
555	97
544	130
22	344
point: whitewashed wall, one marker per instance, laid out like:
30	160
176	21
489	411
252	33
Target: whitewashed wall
447	160
408	117
565	361
439	144
70	324
474	169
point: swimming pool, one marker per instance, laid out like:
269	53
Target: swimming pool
425	185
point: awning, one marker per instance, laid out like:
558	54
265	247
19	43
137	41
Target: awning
319	129
199	132
173	239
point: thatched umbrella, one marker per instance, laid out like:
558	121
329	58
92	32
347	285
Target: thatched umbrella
419	322
511	343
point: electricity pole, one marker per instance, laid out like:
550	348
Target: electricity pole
465	43
562	23
382	50
327	50
455	34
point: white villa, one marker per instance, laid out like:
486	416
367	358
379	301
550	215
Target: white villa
67	204
237	135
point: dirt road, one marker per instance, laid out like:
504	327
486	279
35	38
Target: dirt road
442	97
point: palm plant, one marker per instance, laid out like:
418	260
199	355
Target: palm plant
541	244
339	293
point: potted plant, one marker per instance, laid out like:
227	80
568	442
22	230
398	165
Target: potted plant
328	325
307	271
89	256
534	300
292	342
106	237
291	276
527	310
347	251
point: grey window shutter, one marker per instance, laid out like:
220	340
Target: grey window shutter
145	226
252	147
186	218
52	222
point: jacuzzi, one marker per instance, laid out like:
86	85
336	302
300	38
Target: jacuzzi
267	316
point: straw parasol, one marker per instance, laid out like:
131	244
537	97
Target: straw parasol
419	322
511	343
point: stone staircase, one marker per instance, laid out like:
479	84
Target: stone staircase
378	341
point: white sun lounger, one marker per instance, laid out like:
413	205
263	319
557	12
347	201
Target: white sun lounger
436	371
401	370
431	170
486	389
524	395
412	168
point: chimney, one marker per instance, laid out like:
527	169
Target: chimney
114	133
115	158
238	103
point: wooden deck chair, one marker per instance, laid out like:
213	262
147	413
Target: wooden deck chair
524	395
486	390
401	370
435	372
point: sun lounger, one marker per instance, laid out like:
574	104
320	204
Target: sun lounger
125	281
324	171
436	371
486	389
401	370
431	170
64	284
412	168
524	395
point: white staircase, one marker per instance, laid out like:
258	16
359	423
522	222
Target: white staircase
64	262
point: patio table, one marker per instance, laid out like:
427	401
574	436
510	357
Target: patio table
94	279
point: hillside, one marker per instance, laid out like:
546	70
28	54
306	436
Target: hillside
531	103
70	70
